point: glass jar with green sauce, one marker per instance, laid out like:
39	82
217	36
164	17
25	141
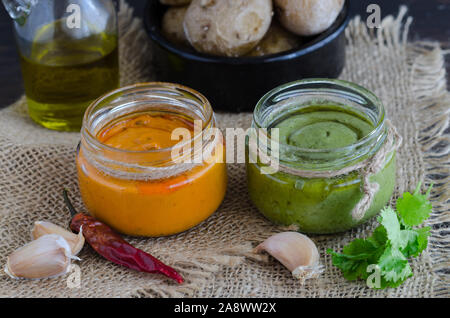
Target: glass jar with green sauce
336	156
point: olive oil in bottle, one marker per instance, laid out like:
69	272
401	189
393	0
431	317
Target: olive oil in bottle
63	75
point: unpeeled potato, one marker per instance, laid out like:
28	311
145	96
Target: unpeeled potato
172	25
227	27
308	17
275	41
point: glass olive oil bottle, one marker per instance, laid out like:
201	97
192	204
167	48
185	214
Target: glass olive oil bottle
64	76
69	57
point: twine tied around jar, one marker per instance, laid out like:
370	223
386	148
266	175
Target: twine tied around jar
372	167
366	168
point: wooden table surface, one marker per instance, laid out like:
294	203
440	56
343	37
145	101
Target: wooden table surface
431	22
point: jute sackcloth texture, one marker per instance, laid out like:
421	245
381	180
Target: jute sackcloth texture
216	257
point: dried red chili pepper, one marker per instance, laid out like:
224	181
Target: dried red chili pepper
111	246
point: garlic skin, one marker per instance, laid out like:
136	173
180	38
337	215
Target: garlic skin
296	252
76	242
48	256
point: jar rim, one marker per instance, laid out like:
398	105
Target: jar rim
93	140
378	126
286	99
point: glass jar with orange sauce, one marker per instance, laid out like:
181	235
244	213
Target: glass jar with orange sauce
150	161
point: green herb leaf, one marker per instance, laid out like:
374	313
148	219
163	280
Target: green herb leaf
409	242
388	218
351	268
418	242
394	266
422	239
391	243
355	258
359	249
414	208
379	237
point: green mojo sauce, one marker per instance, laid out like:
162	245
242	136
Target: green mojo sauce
318	205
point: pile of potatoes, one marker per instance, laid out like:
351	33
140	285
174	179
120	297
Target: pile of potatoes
246	27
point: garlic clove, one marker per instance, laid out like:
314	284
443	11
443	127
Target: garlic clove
296	252
48	256
75	241
291	249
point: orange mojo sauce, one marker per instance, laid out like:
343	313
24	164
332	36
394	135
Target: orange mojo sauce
151	207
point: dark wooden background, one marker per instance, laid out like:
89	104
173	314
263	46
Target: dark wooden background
431	22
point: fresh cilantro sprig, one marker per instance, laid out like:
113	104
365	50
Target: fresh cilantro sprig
392	243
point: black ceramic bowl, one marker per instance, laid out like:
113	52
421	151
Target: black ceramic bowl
236	84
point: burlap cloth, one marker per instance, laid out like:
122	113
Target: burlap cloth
215	258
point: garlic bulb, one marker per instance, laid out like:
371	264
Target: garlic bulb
48	256
296	252
41	228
